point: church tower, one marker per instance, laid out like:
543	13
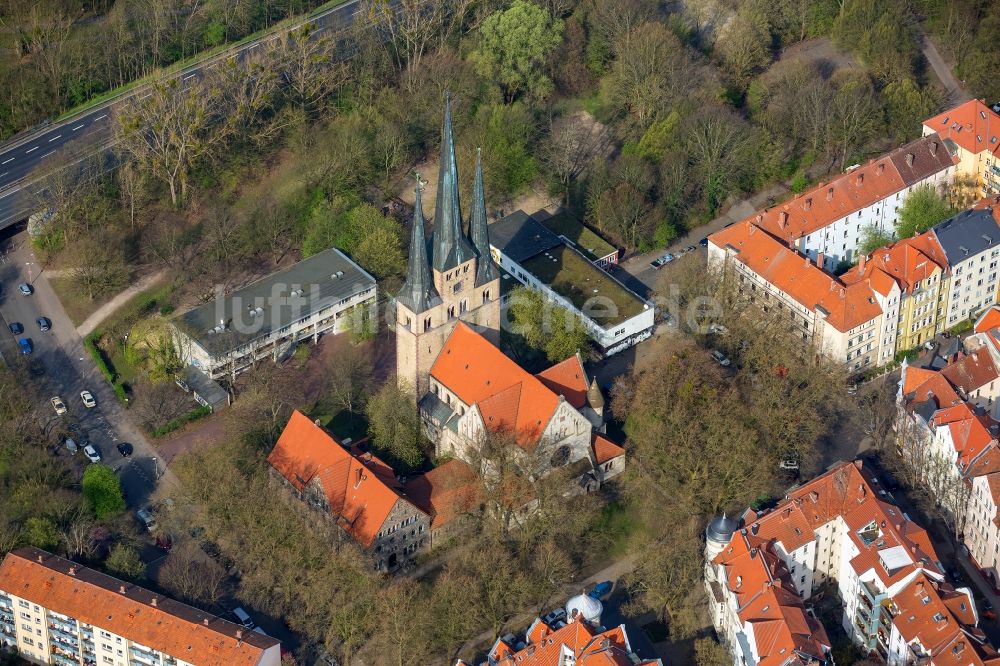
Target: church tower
451	278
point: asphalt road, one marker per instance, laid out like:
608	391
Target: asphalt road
64	369
27	158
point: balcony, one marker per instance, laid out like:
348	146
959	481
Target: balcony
64	625
56	630
63	661
65	642
145	657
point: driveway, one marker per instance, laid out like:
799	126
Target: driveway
64	368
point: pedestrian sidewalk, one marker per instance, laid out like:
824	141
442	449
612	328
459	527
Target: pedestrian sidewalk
109	308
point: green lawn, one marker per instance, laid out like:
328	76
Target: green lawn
576	279
77	308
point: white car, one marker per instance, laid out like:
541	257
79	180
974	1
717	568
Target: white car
93	455
58	405
88	399
146	518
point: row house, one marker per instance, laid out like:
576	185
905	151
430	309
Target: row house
839	529
55	611
826	223
971	132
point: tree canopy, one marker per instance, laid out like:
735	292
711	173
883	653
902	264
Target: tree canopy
547	326
923	208
103	491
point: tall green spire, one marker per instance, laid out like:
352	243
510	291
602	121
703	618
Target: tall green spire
486	270
450	247
418	292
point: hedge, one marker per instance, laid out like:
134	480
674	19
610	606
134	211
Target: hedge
90	342
180	421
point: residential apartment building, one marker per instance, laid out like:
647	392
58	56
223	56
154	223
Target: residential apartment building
840	530
971	132
55	611
826	223
566	638
326	293
840	320
971	244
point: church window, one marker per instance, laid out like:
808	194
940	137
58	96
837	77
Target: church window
560	457
451	312
458	287
408	326
466	269
486	296
427	324
463	307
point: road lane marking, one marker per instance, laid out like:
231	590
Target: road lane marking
253	47
4	174
51	152
5	161
57	136
30	149
77	127
9	193
189	76
100	117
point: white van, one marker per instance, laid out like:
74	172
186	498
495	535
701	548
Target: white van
243	617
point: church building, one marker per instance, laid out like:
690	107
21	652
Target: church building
447	331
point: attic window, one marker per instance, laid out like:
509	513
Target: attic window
945	121
765	609
926	600
938	617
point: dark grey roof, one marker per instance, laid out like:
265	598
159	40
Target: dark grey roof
925	409
418	292
282	298
206	387
721	529
967	234
520	236
436	408
450	247
921	159
486	270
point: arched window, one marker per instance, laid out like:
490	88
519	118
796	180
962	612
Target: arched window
451	312
560	457
427	324
486	296
463	307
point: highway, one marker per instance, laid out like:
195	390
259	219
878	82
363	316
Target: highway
27	158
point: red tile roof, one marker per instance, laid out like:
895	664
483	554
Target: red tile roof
567	379
846	305
989	320
546	647
972	125
130	611
605	449
508	396
905	262
446	492
970	372
359	495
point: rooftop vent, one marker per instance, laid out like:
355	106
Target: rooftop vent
338	274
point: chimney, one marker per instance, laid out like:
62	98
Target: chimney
909	159
121	588
754	528
239	633
72	570
39	558
152	602
934	148
760	218
881	169
861	262
783	219
809	203
829	194
205	622
860	178
820	259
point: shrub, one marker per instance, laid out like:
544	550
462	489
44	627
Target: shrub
195	414
103	491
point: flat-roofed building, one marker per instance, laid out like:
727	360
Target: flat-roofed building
59	612
615	317
326	293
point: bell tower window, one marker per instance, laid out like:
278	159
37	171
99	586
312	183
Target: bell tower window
427	324
486	296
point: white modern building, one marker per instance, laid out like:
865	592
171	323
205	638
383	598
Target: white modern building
55	611
615	317
326	293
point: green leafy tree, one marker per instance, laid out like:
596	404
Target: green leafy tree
103	491
512	45
547	326
124	561
504	132
907	105
873	238
41	532
746	44
658	137
394	427
922	210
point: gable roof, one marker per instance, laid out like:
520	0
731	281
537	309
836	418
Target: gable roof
357	488
967	234
843	306
605	449
546	646
968	372
131	611
972	125
568	379
905	262
989	320
508	396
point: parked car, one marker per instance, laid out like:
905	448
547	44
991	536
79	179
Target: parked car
88	399
703	242
601	589
146	518
125	449
718	329
721	359
690	248
71	445
554	616
44	324
93	455
660	262
790	464
25	289
16	328
243	617
58	405
25	343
